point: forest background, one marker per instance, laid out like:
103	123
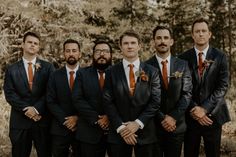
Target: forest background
89	20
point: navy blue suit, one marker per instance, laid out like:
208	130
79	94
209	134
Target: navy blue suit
18	94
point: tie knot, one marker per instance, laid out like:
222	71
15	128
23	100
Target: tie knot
164	62
30	63
200	54
71	72
100	71
131	65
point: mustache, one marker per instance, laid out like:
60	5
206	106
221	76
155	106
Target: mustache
101	58
162	44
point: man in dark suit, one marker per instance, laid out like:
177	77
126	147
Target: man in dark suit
25	87
59	97
207	111
131	99
176	88
87	98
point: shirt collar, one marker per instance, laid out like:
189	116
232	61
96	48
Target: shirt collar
204	51
26	61
159	59
136	63
68	69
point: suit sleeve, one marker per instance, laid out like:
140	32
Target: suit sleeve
186	94
40	105
83	107
52	100
220	87
153	106
11	95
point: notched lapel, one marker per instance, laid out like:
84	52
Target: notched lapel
210	56
121	73
22	72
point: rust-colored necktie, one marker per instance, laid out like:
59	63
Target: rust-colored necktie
131	79
71	79
200	64
30	75
101	78
164	73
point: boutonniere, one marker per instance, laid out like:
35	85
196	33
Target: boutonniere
142	75
37	66
207	63
176	75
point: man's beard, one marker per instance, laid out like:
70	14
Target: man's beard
101	66
71	61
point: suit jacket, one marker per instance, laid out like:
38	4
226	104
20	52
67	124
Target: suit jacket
175	100
19	95
59	101
209	90
87	99
121	107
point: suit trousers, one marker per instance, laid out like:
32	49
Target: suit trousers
64	146
211	137
124	150
22	140
169	144
94	150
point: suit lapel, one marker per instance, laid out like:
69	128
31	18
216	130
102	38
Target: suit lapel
193	61
121	73
173	69
95	79
209	56
64	78
22	72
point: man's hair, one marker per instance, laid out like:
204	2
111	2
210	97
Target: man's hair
33	34
70	41
161	28
200	20
130	33
102	42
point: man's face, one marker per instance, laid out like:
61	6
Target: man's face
163	41
102	56
130	47
201	34
31	45
72	53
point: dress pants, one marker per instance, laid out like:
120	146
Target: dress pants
124	150
22	140
64	146
211	136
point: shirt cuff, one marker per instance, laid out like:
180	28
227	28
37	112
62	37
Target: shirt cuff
120	128
141	125
36	110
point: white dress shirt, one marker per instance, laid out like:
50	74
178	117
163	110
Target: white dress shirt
26	65
68	70
159	59
204	53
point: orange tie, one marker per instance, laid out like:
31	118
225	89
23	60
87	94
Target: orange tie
164	73
101	78
131	79
200	64
30	75
71	79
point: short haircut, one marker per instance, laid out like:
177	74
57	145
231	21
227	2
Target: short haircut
31	34
130	33
200	20
102	42
68	41
161	28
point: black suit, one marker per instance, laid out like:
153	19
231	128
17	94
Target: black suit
121	107
18	94
174	102
87	99
208	92
59	99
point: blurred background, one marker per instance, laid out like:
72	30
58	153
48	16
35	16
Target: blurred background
90	20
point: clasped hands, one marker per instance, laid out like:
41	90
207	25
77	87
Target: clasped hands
71	122
128	132
31	113
199	114
103	122
169	123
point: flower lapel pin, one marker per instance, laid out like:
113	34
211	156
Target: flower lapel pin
37	66
176	75
142	75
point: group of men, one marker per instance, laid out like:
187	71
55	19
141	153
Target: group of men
150	108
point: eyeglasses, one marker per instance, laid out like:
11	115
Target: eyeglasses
99	51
